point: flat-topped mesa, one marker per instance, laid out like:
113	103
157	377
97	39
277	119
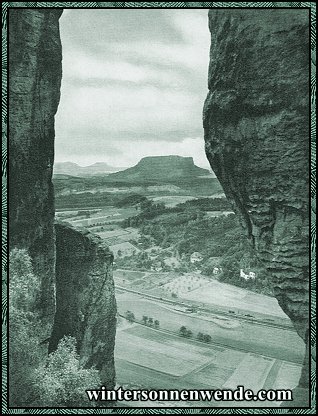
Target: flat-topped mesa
162	167
257	140
167	160
177	165
35	63
85	293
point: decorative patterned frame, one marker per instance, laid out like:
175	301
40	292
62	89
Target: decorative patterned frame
220	410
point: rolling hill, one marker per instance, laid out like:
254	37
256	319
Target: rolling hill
73	169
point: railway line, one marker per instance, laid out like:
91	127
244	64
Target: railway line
230	314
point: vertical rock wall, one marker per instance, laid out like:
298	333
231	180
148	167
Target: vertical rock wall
35	71
256	123
82	300
86	306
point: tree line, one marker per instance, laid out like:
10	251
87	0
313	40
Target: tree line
146	320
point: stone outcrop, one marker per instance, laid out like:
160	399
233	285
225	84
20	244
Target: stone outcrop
85	293
35	63
161	168
256	123
81	303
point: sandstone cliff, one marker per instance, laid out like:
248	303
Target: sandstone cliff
256	123
35	64
85	293
81	302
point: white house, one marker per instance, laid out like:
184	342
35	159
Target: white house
156	266
248	275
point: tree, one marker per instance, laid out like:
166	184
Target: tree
23	284
146	204
207	338
200	336
145	319
150	321
157	324
34	380
24	350
189	334
183	331
62	381
130	316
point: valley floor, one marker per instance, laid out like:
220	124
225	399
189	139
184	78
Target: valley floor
252	342
243	353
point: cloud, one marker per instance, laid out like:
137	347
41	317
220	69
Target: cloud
133	80
87	68
94	30
146	112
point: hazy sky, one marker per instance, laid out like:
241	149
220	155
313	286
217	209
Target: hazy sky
134	83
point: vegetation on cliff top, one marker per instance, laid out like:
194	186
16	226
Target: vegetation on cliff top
36	379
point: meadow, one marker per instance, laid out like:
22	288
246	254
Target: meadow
226	295
152	359
242	334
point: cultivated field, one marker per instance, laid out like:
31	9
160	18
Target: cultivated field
144	281
173	200
259	339
200	290
286	371
160	352
225	295
185	283
97	216
213	214
152	359
104	222
251	372
121	234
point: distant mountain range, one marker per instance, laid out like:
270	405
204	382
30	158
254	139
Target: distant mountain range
162	168
148	168
73	169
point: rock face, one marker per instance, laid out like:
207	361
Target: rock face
86	306
257	140
81	302
34	91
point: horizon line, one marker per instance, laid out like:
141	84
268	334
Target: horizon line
207	166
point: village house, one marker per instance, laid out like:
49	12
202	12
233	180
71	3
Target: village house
247	276
157	266
217	270
213	263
